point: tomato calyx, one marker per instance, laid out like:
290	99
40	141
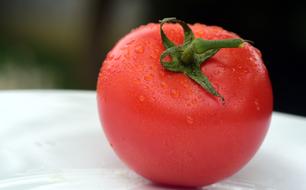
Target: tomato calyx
188	57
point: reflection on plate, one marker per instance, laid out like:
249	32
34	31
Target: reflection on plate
53	140
97	179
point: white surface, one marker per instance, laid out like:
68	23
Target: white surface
52	140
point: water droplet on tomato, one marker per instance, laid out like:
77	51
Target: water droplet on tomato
130	42
258	52
117	57
184	83
188	104
123	47
233	69
216	72
153	56
163	85
151	68
137	79
194	101
148	77
139	49
171	31
189	120
154	99
162	73
127	54
110	57
141	98
200	32
257	105
174	93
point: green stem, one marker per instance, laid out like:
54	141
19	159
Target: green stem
200	45
188	57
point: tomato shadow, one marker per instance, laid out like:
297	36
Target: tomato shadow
268	171
156	186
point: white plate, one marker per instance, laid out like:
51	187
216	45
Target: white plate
52	140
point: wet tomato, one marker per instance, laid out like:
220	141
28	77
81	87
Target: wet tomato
164	123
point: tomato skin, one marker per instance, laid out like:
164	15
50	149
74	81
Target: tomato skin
169	129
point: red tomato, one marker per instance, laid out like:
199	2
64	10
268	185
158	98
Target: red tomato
168	128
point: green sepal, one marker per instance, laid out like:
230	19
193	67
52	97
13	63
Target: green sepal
188	57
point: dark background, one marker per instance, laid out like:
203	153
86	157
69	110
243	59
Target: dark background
61	43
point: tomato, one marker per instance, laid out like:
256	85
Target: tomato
168	128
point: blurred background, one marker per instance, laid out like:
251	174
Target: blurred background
48	44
